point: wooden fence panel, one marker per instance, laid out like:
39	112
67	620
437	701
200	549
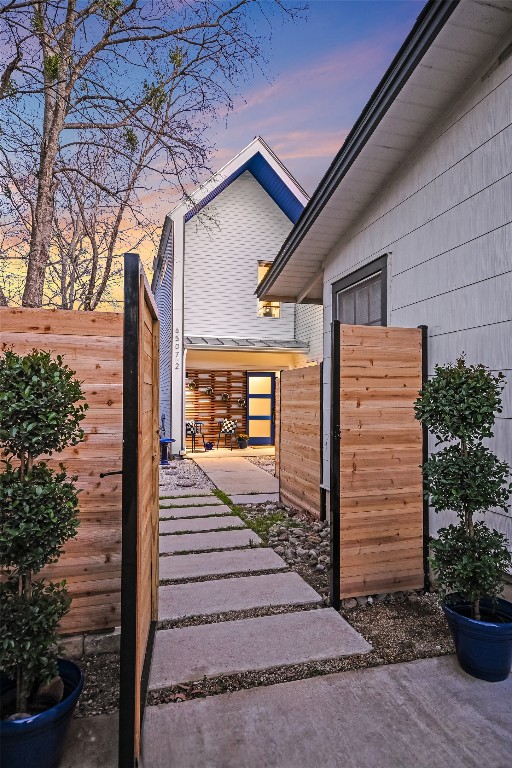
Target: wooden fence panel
140	504
91	343
381	506
299	457
277	426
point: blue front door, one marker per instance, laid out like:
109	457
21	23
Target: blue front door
261	390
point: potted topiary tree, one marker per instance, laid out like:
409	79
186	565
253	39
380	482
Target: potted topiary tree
40	413
468	559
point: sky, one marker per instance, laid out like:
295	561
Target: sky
322	71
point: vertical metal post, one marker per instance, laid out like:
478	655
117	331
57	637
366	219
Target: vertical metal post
130	490
323	495
335	436
426	510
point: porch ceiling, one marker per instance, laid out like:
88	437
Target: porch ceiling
423	82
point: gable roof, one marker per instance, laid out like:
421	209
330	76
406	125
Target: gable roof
267	169
446	46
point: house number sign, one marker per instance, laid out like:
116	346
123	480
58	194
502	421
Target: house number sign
177	347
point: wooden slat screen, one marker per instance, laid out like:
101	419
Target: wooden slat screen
381	507
211	408
91	343
299	430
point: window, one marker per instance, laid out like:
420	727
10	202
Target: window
267	308
360	298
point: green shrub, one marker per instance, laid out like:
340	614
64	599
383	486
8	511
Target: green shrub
40	412
458	405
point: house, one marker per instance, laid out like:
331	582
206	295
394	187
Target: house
412	223
220	347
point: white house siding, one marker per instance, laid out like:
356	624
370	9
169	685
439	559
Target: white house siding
309	328
223	245
446	220
163	298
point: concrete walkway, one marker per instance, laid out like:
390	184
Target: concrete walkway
233	474
208	542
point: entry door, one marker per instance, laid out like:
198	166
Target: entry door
261	390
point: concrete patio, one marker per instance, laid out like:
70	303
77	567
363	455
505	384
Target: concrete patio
423	714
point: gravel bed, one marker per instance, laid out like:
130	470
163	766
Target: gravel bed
182	474
217	576
101	689
268	463
248	613
400	629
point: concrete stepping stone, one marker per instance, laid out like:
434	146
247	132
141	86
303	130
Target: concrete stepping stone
199	542
254	498
190	500
220	563
180	512
191	653
205	598
201	524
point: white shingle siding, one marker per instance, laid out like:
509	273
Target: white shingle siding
163	298
446	219
223	245
309	328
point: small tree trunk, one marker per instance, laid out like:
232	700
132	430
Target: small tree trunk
475	609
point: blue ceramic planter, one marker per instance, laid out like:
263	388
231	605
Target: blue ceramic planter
37	741
484	648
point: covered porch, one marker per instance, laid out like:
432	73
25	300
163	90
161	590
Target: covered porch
219	385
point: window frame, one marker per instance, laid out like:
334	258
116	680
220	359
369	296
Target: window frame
369	270
262	302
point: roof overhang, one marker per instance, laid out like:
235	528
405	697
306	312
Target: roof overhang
267	169
225	344
449	42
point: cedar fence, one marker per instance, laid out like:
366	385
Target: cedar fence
378	519
298	424
91	343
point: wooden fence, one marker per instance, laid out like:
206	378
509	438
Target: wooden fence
210	408
91	343
298	425
380	454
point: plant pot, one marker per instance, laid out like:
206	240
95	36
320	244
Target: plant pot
242	443
208	446
38	741
484	648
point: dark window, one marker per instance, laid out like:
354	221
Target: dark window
360	298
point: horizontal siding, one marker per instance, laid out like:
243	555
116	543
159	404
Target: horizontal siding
309	328
446	221
223	245
163	298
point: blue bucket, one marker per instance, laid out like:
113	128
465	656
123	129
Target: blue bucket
484	648
38	741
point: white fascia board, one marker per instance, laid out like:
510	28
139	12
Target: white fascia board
252	149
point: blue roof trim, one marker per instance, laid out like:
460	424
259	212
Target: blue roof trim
273	185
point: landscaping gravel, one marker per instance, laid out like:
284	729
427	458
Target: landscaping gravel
400	629
268	463
101	689
182	474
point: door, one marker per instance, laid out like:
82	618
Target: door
140	504
261	392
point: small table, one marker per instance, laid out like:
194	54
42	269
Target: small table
164	450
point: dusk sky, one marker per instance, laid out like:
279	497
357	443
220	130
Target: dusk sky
323	69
